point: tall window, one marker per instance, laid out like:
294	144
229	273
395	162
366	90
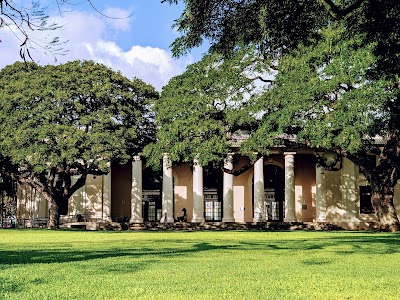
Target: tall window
213	184
212	205
151	193
365	200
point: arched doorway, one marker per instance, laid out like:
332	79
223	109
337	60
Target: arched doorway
274	189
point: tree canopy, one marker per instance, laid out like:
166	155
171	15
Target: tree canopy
70	120
200	108
330	74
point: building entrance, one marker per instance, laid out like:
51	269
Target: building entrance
213	182
151	195
274	193
212	205
151	205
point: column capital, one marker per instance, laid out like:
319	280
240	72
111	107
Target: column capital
167	163
290	153
228	161
136	158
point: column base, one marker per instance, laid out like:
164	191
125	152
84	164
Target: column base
228	220
257	220
290	220
136	220
198	220
321	220
167	220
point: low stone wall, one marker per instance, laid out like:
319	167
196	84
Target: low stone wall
230	226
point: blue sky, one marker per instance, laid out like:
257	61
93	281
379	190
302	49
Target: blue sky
137	46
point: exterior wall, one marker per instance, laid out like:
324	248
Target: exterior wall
304	172
242	193
183	190
121	181
335	210
397	197
94	197
77	202
341	192
88	200
364	219
30	203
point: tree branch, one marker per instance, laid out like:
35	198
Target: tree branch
338	12
242	169
262	79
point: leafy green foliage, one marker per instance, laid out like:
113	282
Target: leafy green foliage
200	108
337	85
273	26
323	94
72	119
80	114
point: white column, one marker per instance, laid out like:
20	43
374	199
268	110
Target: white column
320	201
290	204
228	192
349	189
167	191
136	191
107	197
198	197
76	202
259	201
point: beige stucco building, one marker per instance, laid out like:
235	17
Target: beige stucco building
285	186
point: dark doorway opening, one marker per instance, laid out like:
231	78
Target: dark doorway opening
274	191
213	186
151	195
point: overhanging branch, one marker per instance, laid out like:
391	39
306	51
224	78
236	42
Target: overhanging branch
341	12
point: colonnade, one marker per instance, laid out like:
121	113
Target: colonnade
228	196
259	195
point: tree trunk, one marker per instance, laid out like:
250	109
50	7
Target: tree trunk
382	201
54	215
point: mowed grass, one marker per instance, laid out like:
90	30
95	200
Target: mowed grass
42	264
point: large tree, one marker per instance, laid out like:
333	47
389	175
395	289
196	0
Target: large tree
69	120
199	110
326	96
337	81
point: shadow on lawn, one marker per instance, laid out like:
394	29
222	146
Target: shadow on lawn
359	244
47	256
342	245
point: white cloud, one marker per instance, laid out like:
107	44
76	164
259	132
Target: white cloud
153	65
87	40
119	19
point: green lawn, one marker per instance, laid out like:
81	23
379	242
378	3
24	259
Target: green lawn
41	264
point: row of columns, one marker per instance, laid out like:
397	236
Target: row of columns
259	196
228	212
